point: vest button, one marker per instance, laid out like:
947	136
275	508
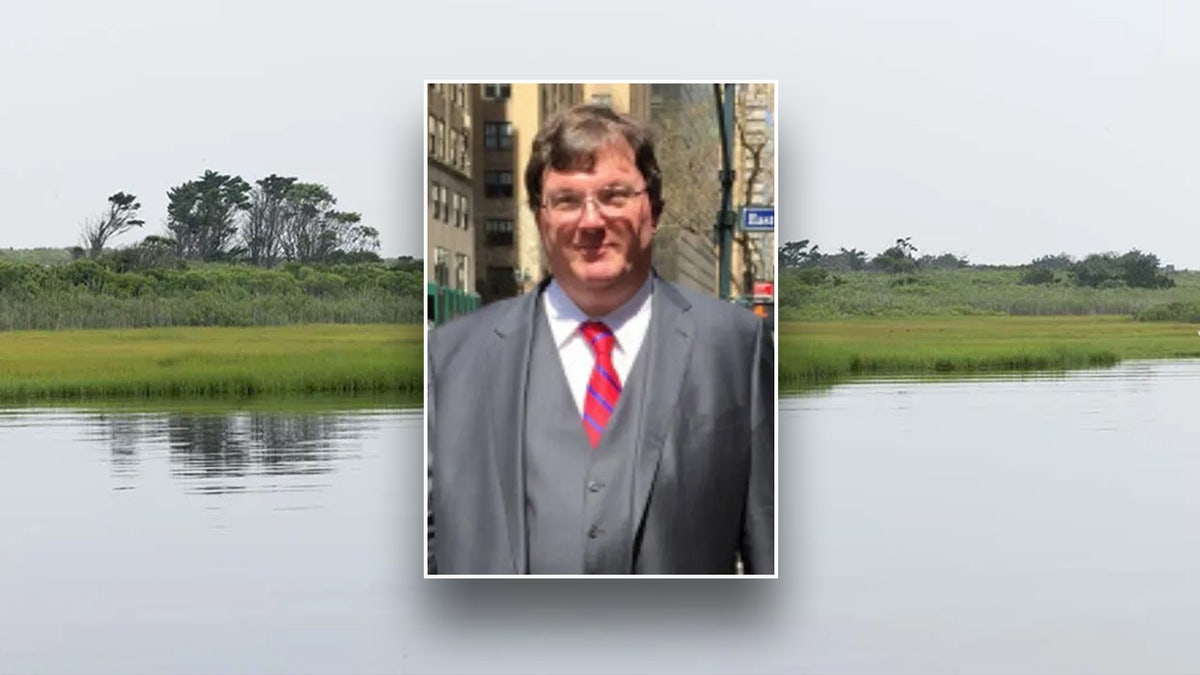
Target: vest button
594	531
593	486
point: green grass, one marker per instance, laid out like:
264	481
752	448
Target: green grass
819	352
342	359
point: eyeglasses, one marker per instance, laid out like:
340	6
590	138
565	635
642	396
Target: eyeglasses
609	200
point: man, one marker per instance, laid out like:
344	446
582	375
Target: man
607	422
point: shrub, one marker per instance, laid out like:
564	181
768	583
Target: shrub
1037	275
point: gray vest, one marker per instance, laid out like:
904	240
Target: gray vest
578	499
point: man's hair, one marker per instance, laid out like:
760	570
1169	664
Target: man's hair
570	139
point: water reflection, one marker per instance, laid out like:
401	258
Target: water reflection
204	541
218	453
1133	374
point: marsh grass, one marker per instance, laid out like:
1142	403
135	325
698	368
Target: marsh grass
341	359
262	403
967	292
815	352
82	310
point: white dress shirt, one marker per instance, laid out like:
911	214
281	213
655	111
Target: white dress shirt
629	324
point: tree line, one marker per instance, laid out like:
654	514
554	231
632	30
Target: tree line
222	218
900	257
1133	269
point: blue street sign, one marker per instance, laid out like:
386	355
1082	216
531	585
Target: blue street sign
758	218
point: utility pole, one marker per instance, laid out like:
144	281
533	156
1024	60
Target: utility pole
726	219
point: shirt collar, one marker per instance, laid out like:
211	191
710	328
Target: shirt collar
565	316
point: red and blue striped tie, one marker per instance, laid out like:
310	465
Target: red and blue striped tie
604	386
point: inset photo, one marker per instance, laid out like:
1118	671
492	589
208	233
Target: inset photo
601	387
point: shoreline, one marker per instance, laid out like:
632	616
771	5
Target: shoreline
821	353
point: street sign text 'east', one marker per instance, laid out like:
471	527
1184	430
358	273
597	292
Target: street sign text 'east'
758	218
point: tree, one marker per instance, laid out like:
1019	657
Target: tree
899	258
945	261
202	214
905	245
793	254
1141	271
1109	270
291	220
1061	261
854	258
358	238
1098	270
121	217
844	260
813	257
408	263
152	252
304	235
267	219
314	231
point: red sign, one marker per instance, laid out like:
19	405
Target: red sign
766	288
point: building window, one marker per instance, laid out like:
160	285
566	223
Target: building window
460	95
498	184
453	219
499	232
444	195
465	139
501	282
497	91
437	130
602	99
435	197
466	212
497	135
441	266
460	272
464	154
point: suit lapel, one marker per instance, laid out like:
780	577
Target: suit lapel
509	355
670	347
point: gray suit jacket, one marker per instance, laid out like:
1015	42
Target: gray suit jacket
704	486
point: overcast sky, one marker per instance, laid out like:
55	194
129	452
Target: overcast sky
1000	131
142	96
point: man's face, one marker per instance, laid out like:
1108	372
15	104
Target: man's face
597	226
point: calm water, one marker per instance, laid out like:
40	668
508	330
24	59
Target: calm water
1034	526
1037	525
157	542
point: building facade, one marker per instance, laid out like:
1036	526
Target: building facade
688	145
754	153
449	220
510	259
503	119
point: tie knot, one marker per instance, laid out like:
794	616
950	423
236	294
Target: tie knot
600	337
